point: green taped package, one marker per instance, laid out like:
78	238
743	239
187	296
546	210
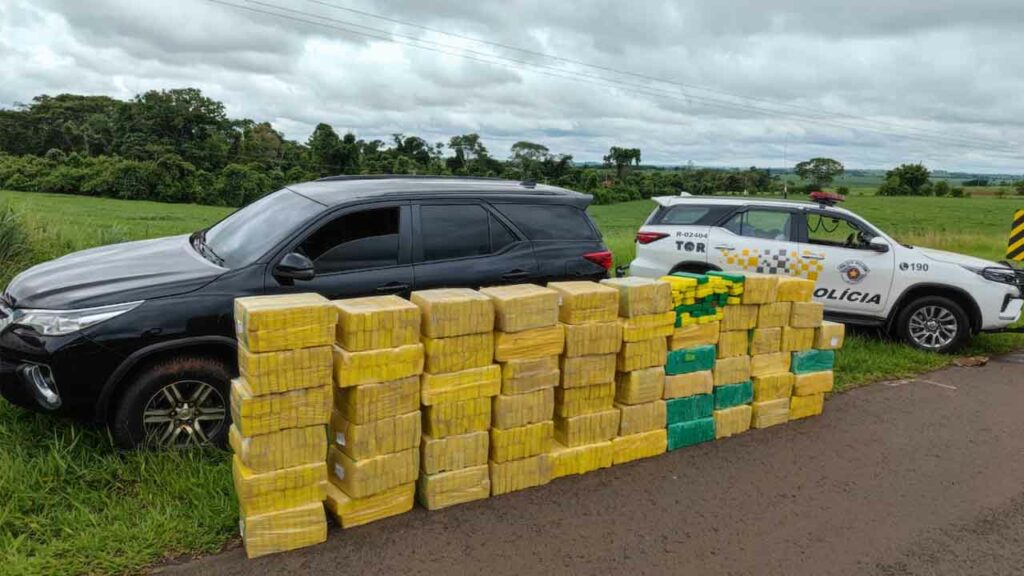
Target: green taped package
684	434
734	395
688	360
813	361
689	408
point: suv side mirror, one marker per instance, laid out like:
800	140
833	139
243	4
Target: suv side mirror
878	245
295	266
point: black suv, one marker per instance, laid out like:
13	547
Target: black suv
141	335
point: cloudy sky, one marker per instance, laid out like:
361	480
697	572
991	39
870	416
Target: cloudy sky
732	82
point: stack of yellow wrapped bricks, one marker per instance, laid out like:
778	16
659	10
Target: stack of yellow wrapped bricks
527	342
646	319
457	387
279	405
374	455
459	394
585	418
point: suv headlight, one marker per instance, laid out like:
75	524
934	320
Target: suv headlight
63	322
1003	275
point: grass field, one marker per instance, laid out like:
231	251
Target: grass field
73	505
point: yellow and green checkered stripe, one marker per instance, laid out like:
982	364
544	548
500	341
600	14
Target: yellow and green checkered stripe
1015	248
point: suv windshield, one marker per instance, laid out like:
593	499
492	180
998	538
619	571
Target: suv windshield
247	234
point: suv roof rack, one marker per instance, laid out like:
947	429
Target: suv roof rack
342	177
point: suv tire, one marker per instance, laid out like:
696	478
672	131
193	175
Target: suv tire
176	402
934	324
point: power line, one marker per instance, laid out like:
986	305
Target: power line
819	112
366	31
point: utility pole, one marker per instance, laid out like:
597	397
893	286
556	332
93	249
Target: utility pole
785	166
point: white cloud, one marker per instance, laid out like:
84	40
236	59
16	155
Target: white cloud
946	71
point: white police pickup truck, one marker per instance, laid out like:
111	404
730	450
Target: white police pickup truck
934	300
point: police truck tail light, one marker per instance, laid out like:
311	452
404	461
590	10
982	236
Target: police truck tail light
648	237
602	259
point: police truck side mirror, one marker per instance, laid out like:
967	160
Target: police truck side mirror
295	266
878	245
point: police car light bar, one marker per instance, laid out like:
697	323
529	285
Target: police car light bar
827	198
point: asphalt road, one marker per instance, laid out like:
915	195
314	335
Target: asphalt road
916	477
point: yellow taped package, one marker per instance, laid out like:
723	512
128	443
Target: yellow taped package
259	493
437	491
377	437
682	385
741	317
450	312
521	441
369	402
641	296
351	512
637	418
566	461
774	315
806	406
731	370
773	386
287	321
460	386
807	314
361	478
533	343
765	340
594	338
529	374
813	383
514	410
281	449
458	353
454	452
792	289
285	530
765	364
519	474
642	354
584	302
444	420
588	428
377	322
759	288
272	372
587	370
371	366
640	386
254	415
522	307
731	421
584	399
648	326
695	335
797	339
829	336
733	344
638	446
769	413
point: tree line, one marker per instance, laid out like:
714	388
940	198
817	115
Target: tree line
181	146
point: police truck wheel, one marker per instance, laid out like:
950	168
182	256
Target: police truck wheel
175	403
934	324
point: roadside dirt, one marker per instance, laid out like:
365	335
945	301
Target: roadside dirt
915	477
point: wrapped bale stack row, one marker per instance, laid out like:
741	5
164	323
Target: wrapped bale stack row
527	343
374	455
280	404
457	388
585	417
646	319
812	371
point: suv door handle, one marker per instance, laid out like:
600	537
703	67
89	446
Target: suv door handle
724	247
392	288
515	275
812	257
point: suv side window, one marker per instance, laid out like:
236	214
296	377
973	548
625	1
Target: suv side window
765	224
355	241
836	230
454	231
550	221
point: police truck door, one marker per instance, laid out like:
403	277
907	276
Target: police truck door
853	277
754	239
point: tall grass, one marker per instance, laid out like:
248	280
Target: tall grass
15	251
